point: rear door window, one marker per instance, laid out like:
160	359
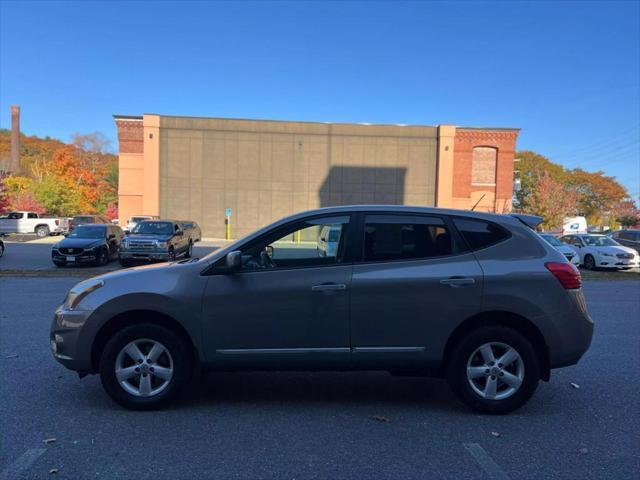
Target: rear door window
405	237
480	233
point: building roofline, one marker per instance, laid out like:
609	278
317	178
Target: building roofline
499	129
127	117
140	117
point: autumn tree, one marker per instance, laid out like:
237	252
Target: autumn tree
532	166
552	201
599	195
627	214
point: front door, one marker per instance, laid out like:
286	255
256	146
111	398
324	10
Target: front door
414	282
286	307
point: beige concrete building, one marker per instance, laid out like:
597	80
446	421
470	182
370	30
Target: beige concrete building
197	168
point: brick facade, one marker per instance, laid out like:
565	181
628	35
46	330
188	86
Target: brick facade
496	197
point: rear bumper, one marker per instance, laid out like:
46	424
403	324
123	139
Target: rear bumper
574	332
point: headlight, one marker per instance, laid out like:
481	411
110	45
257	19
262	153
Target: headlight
605	254
79	292
161	244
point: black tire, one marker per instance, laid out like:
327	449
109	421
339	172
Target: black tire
182	366
125	263
189	252
172	255
103	258
42	231
589	262
457	369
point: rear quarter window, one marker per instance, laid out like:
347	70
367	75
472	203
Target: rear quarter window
480	233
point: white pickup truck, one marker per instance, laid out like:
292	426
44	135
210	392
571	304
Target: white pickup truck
31	222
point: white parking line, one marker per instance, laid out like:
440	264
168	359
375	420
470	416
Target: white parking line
22	463
491	468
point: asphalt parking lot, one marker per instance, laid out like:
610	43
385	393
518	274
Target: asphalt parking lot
317	425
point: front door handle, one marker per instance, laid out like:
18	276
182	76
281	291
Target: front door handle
457	281
328	287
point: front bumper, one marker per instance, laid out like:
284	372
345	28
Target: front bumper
152	256
614	262
87	256
65	340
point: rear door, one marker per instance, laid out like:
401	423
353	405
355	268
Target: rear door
415	282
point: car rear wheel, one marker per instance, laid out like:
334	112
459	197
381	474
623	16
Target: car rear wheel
189	253
42	231
589	262
494	370
145	367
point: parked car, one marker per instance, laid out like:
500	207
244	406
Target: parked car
85	219
628	238
155	241
88	243
31	222
133	221
476	298
192	230
600	251
328	239
563	248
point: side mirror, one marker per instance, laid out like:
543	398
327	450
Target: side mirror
234	260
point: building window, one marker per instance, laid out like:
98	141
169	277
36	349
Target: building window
483	169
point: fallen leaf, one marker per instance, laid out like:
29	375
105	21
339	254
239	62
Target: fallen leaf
575	385
380	418
49	440
584	450
53	470
15	355
495	434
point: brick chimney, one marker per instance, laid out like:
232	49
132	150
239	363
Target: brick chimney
14	167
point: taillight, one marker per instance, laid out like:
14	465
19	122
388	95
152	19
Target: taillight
566	273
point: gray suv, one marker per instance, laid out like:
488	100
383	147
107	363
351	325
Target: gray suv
478	299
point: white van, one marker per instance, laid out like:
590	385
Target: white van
574	225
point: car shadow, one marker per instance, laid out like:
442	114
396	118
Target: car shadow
291	389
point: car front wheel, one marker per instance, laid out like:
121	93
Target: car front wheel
145	367
589	262
494	369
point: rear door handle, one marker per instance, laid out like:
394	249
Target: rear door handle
328	287
457	281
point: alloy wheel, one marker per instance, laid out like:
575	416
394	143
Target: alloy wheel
144	368
495	371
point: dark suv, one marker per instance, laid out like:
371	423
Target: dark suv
478	299
155	241
628	238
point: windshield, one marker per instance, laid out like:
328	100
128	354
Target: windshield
78	220
87	232
138	219
154	228
599	241
551	240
